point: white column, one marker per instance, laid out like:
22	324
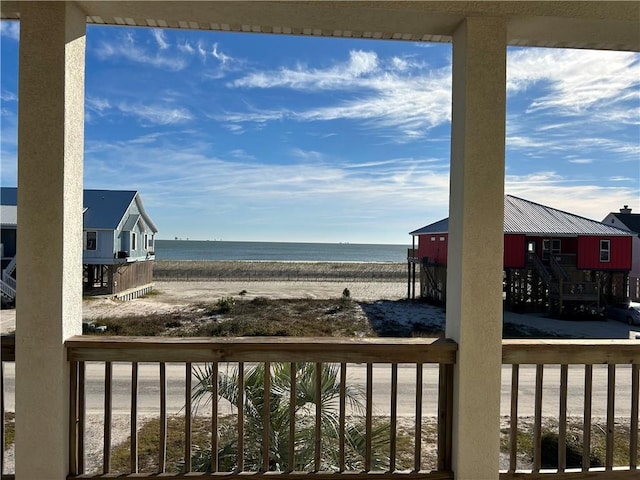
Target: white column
49	296
474	269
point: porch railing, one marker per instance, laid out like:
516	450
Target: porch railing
582	395
595	387
299	446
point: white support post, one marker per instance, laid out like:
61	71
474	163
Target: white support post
49	296
475	255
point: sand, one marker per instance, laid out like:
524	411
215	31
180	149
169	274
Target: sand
379	299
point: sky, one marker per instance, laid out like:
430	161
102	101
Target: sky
231	136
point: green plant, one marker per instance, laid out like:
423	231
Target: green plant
226	304
306	398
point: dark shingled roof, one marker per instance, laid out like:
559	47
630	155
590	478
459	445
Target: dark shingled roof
631	220
105	208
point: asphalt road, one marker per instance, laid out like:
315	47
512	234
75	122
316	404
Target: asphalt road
149	389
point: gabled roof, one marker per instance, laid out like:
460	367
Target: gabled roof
631	220
102	209
105	208
525	217
441	226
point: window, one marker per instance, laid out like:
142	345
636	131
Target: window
146	241
91	240
605	250
531	247
134	243
433	239
551	245
442	239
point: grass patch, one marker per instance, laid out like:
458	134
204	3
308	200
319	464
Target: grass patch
155	324
148	446
9	429
243	317
289	271
574	443
285	317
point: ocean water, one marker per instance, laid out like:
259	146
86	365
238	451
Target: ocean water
279	251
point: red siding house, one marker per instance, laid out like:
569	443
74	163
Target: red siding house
552	259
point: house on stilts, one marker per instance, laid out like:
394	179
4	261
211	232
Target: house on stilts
553	260
629	221
118	244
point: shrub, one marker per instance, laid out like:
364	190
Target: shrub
226	304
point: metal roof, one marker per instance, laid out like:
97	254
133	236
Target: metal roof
8	215
103	209
441	226
525	217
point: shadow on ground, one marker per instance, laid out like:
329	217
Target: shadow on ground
416	318
404	318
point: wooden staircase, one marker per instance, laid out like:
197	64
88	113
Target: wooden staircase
564	282
8	282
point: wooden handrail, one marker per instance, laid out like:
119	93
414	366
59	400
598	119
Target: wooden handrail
270	351
261	349
584	352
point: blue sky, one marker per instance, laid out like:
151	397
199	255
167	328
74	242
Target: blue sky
278	138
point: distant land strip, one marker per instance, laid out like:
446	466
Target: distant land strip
186	270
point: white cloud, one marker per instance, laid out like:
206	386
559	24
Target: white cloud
576	80
186	47
190	176
585	199
581	161
413	101
219	55
126	46
156	114
340	76
97	104
160	38
7	96
10	29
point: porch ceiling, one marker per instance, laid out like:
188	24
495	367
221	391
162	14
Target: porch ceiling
573	24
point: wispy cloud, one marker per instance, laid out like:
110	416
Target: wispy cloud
163	52
396	93
160	38
10	29
581	161
302	77
219	55
126	46
7	96
156	114
576	80
587	199
194	177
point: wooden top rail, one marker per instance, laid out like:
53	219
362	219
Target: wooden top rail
261	349
584	352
